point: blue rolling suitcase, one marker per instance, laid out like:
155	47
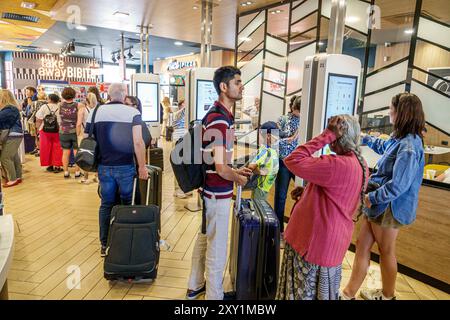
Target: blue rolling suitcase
254	249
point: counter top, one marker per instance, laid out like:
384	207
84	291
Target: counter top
6	246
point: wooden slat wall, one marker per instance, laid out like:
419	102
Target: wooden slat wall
425	245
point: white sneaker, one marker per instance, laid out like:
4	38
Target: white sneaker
282	242
343	296
374	294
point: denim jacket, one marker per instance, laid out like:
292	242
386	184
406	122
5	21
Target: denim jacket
400	174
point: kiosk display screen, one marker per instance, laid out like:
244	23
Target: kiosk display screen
341	97
147	92
206	96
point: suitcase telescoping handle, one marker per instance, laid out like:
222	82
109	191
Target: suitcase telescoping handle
238	198
134	191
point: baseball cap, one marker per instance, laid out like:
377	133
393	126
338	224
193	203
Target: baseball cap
269	126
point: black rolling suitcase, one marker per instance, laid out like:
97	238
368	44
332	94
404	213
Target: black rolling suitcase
255	249
133	241
155	185
156	157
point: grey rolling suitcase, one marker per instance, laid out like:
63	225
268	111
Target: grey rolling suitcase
133	242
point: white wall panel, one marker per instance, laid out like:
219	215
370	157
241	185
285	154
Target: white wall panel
305	9
435	106
387	77
296	62
272	108
434	32
251	27
276	45
275	61
382	99
252	68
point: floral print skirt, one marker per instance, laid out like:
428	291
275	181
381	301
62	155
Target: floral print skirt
300	280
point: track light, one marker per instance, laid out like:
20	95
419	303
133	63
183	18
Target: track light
130	55
113	58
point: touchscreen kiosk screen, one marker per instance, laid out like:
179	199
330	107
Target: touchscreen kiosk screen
206	96
341	97
148	94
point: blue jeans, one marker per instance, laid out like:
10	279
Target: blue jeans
113	179
281	189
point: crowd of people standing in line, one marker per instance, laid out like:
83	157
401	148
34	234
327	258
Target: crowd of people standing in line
339	189
54	144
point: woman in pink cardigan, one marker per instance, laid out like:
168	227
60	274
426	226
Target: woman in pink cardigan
321	225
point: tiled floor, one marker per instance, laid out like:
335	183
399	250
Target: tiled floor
57	231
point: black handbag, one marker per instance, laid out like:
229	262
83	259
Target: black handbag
87	155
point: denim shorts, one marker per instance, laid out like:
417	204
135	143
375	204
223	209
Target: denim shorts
386	219
68	141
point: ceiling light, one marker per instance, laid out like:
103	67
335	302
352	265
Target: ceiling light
192	53
352	19
245	39
45	49
321	43
195	7
119	13
158	59
409	31
247	3
28	5
57	42
276	11
178	43
82	28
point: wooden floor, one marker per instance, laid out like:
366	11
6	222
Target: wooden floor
57	232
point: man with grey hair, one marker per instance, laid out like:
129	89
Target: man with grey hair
118	131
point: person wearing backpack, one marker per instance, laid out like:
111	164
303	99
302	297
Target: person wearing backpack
210	250
47	122
69	112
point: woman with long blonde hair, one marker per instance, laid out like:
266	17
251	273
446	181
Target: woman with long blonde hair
166	113
10	138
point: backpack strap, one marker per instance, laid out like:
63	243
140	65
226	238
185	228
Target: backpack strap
91	129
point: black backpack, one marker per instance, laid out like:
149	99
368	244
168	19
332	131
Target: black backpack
188	167
87	155
51	122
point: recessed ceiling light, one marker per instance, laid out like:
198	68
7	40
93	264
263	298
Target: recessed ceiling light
321	43
57	42
158	58
82	28
178	43
195	7
409	31
352	19
45	49
247	3
245	39
119	13
28	5
276	11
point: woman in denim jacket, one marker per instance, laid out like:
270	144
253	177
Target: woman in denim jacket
394	203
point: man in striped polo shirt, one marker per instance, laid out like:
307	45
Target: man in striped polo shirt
209	254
